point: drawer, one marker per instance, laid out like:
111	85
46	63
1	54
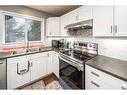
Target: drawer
93	83
114	82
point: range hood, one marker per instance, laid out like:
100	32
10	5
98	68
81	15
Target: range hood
87	24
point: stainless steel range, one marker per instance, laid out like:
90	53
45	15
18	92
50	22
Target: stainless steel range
72	63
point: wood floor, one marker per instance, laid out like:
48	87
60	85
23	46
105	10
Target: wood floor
48	79
49	82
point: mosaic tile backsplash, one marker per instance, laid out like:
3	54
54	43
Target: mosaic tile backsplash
81	33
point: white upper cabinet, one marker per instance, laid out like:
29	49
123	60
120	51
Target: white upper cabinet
103	20
85	13
53	26
120	26
109	21
74	16
64	21
80	14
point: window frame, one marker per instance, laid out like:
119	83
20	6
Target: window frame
3	13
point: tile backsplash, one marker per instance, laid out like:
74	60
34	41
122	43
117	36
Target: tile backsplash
81	33
112	47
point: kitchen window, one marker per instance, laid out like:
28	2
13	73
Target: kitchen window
14	29
19	29
34	30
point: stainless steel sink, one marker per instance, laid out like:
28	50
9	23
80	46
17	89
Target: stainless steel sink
30	50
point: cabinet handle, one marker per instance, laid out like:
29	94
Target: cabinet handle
48	54
1	62
95	74
124	88
77	17
115	28
23	71
111	29
31	64
49	33
97	85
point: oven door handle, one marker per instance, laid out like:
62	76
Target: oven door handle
80	68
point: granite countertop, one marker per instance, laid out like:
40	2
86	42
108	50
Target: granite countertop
4	55
112	66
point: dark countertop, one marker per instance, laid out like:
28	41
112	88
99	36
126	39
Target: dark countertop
4	55
112	66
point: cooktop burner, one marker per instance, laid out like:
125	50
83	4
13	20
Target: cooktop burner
80	52
75	56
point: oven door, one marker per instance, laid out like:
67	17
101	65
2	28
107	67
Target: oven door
71	75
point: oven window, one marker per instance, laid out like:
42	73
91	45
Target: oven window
71	75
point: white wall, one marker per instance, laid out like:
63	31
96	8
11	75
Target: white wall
111	47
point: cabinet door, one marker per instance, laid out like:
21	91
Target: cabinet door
120	21
65	20
103	21
85	13
38	65
17	74
53	26
69	18
74	16
55	63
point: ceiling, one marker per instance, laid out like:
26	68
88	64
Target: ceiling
56	10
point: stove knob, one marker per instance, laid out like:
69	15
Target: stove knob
90	45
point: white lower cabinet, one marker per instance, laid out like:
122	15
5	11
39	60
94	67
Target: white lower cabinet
18	72
55	63
96	79
49	64
38	65
27	68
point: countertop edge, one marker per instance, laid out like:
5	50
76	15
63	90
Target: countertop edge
107	72
45	50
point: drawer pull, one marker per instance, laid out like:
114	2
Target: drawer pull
95	84
23	71
95	74
124	88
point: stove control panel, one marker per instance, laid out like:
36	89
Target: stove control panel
86	46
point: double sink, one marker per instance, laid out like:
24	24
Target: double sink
24	51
